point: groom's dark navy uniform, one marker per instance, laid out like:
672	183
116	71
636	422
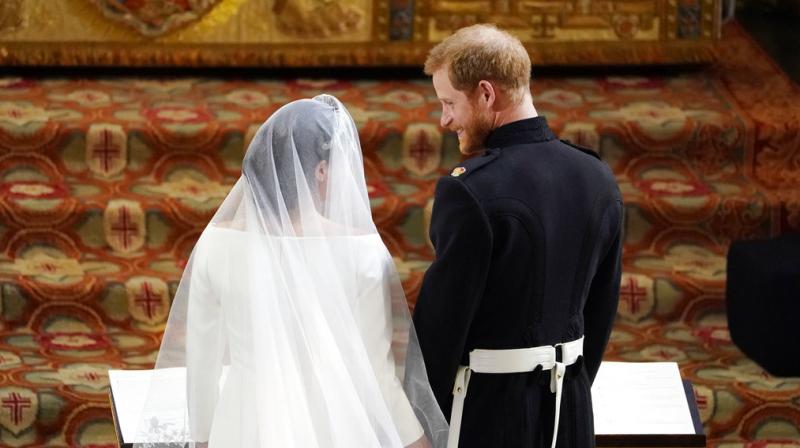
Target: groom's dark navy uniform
528	246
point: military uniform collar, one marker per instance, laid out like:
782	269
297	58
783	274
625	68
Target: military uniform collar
529	130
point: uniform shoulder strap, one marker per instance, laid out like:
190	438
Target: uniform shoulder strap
473	164
580	148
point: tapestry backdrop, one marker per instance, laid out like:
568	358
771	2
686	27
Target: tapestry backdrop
347	32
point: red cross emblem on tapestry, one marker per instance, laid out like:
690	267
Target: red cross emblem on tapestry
422	148
123	223
106	149
148	299
18	409
636	297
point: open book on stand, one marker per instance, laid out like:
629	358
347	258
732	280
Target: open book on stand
635	405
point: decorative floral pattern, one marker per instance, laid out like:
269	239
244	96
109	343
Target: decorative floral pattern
177	114
46	267
20	114
191	188
89	376
673	187
247	98
562	98
73	341
33	189
85	98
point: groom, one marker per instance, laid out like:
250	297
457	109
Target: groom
516	310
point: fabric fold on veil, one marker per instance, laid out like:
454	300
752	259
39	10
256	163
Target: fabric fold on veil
290	327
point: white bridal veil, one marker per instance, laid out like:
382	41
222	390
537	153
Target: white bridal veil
290	327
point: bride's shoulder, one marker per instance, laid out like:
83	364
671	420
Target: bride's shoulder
216	234
227	225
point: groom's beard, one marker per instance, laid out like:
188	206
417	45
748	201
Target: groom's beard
473	137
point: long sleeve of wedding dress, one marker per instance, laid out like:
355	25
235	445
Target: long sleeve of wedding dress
205	344
375	323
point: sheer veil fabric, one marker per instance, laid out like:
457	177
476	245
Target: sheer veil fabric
289	325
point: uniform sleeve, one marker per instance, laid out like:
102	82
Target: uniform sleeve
453	285
601	304
375	325
205	343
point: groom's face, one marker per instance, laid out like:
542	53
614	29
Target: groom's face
461	114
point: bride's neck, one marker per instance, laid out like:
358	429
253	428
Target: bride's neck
310	218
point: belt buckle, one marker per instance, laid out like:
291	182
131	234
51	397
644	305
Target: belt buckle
559	352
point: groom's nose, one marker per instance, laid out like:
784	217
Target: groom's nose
445	120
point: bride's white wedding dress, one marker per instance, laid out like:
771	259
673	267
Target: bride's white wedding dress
230	418
291	291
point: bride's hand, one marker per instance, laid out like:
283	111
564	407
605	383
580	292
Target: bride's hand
421	443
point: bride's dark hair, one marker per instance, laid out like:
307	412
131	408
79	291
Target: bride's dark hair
301	130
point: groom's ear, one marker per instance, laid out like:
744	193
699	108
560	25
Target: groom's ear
321	172
486	93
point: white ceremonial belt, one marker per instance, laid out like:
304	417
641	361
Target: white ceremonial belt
513	361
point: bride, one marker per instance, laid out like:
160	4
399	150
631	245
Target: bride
290	321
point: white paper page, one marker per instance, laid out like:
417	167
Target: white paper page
131	390
640	398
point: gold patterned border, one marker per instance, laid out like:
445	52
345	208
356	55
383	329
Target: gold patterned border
277	33
579	54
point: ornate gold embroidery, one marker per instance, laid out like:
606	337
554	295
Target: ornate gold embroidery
316	18
11	17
